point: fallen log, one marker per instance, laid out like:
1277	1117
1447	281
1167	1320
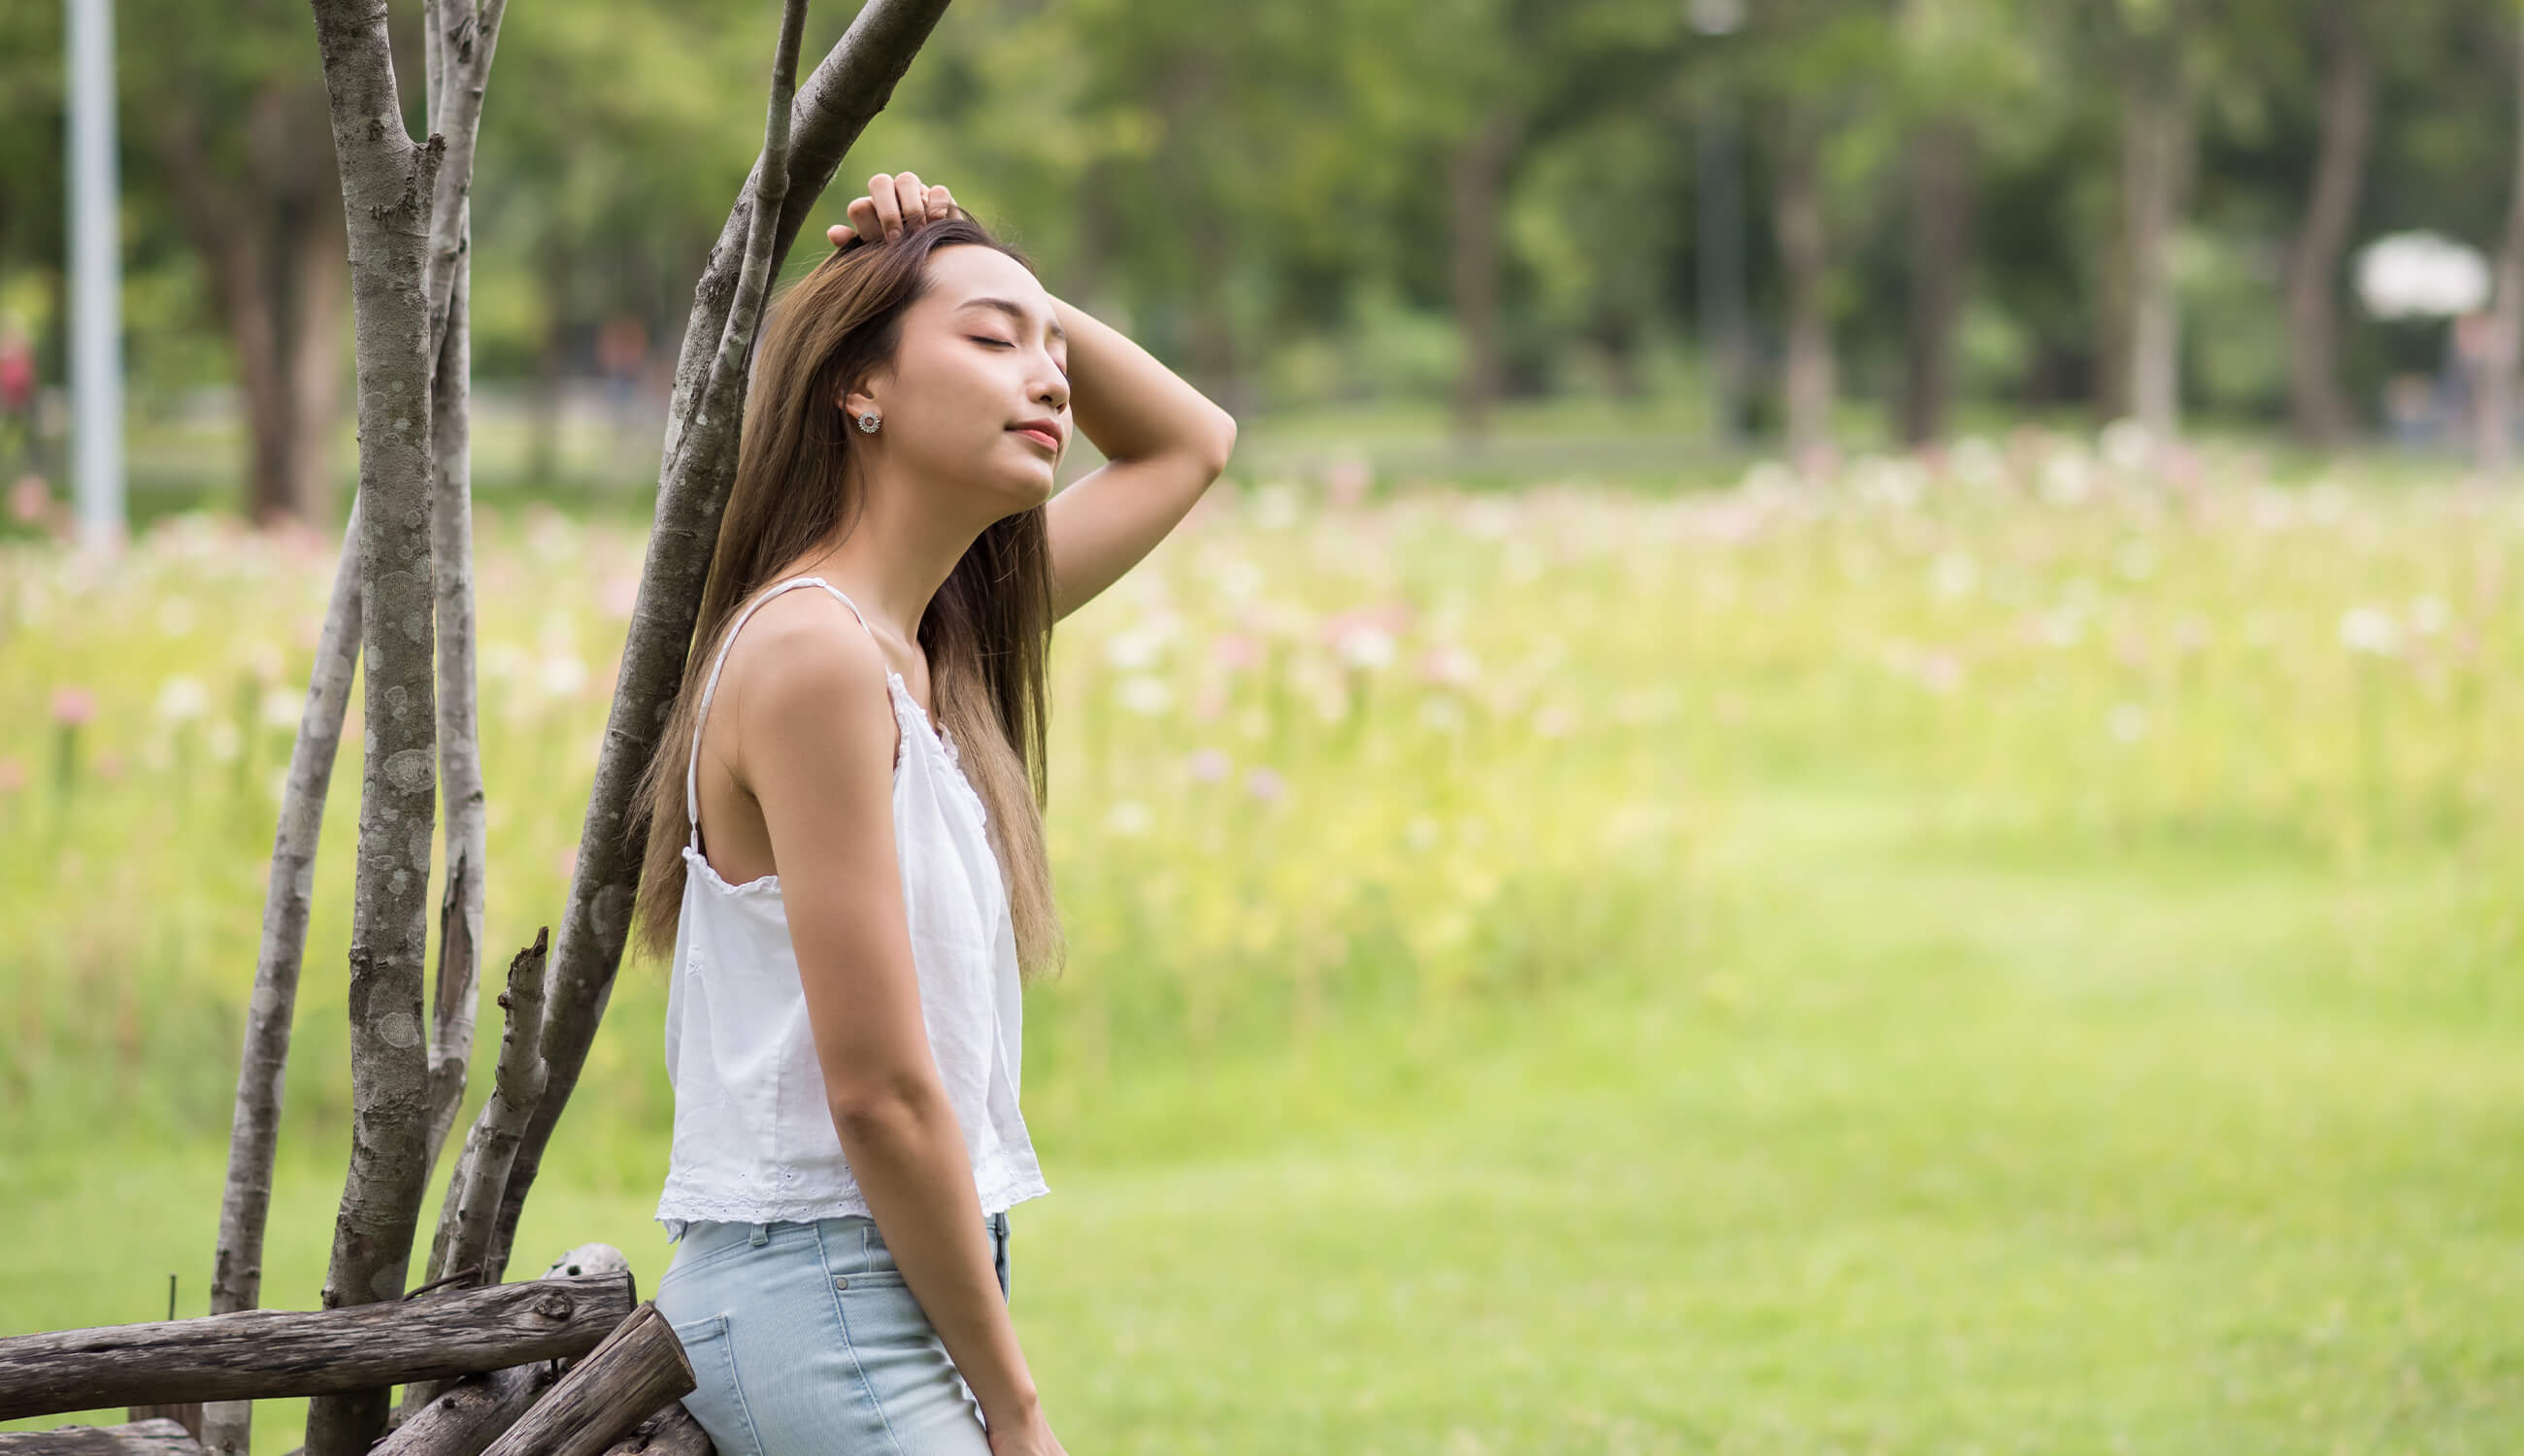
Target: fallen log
161	1436
469	1415
259	1353
622	1381
671	1431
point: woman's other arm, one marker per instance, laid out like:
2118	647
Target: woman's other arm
818	741
1163	443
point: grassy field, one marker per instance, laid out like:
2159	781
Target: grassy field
2018	956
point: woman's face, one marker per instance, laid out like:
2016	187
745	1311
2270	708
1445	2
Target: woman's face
980	355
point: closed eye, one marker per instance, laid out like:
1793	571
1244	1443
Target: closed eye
1004	344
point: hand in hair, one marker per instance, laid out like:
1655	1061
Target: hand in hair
895	204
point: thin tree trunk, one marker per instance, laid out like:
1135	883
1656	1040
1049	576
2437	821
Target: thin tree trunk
456	52
1940	167
387	185
2493	442
236	1276
1480	165
1805	256
698	467
2156	144
456	991
2320	410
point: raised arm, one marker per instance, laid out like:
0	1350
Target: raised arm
1163	443
818	744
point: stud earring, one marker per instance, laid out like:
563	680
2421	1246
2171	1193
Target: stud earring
868	422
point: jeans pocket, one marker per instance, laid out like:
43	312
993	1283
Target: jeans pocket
717	1397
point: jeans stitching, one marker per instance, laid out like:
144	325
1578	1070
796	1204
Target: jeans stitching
726	1341
850	1346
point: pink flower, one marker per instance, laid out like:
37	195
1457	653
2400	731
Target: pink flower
72	706
13	775
1209	766
109	766
1236	650
1347	480
1265	785
29	499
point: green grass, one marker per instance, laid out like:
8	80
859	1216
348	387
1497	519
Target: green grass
1917	966
1901	1164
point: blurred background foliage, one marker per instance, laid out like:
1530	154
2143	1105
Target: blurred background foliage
1372	207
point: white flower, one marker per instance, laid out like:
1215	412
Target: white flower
1953	574
2370	629
1367	647
1132	650
563	675
2428	614
225	740
2127	723
1442	714
2067	478
176	616
1128	817
1145	696
2126	443
280	708
183	698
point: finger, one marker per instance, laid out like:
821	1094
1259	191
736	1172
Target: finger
863	218
914	198
941	204
839	234
889	209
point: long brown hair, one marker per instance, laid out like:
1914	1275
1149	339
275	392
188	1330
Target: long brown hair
987	632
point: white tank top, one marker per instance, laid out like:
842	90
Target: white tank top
753	1139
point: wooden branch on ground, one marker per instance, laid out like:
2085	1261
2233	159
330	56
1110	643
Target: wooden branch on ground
259	1353
671	1431
155	1437
620	1383
471	1414
830	109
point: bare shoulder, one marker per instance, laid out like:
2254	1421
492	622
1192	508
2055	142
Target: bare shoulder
806	679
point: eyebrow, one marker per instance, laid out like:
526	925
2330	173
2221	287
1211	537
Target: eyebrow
1016	311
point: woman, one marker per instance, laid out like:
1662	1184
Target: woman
848	942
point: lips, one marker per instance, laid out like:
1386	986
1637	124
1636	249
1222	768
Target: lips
1049	438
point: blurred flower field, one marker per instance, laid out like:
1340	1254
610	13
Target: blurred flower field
1325	757
2018	952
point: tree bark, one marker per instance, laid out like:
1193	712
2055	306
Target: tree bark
236	1276
2493	439
2155	145
472	1202
830	110
1941	226
1796	203
262	1354
387	183
2318	410
455	989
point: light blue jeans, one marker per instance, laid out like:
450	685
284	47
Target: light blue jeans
805	1341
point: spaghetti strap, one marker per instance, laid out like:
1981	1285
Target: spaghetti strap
709	689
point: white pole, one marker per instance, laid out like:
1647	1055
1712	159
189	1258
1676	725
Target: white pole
96	277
